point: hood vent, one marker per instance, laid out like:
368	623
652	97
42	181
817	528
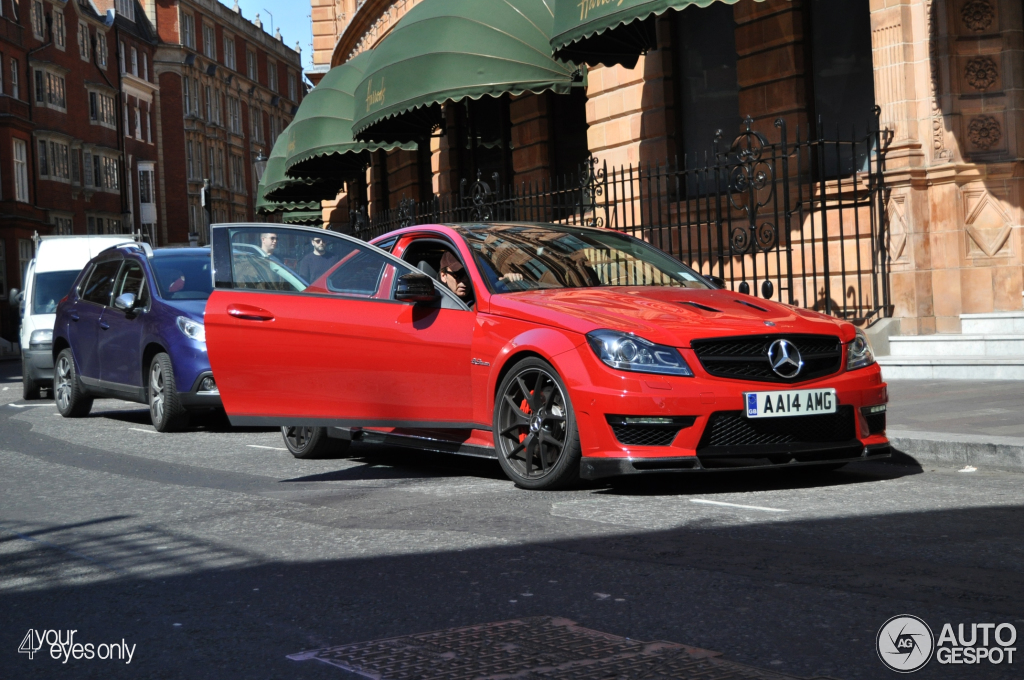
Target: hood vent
704	307
750	304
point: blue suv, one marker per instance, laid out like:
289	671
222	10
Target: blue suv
132	328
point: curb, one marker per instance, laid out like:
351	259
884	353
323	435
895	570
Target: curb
987	452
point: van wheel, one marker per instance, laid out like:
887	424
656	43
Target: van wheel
72	401
309	443
30	389
165	409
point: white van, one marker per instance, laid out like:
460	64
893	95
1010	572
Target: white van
57	261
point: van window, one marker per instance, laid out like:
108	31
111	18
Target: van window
101	282
50	288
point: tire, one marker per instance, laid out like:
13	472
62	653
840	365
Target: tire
310	443
535	436
30	389
165	409
72	400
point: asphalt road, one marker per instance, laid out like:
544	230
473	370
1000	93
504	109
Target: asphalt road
216	554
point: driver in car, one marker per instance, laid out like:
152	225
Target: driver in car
455	276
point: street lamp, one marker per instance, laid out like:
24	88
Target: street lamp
261	166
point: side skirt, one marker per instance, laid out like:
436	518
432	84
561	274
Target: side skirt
409	441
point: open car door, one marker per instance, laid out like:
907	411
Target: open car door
339	350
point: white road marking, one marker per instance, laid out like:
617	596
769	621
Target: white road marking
17	405
736	505
271	448
139	429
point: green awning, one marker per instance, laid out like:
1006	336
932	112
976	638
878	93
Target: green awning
278	192
312	218
447	50
321	143
611	31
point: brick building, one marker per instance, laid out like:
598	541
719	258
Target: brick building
77	152
946	75
236	88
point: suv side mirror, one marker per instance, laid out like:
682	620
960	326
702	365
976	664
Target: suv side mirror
14	297
125	302
414	287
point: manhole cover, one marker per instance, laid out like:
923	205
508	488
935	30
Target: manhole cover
539	648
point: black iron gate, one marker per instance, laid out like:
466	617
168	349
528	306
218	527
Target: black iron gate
802	221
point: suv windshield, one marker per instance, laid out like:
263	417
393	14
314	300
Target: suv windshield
50	287
183	274
554	256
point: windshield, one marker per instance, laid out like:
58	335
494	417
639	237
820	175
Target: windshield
183	275
553	256
50	288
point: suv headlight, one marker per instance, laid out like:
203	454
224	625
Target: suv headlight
41	339
858	353
628	352
193	329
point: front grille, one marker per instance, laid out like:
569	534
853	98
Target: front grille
641	431
733	429
746	358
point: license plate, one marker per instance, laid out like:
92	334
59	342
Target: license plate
790	403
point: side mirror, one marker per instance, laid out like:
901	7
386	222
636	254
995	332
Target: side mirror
415	287
717	280
125	302
14	297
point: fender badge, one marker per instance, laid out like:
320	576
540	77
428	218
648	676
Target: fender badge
480	362
769	323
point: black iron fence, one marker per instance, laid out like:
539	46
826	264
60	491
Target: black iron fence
802	221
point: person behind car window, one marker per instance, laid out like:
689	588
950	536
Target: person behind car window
455	276
315	264
268	244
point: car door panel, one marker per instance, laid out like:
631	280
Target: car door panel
120	337
340	352
85	331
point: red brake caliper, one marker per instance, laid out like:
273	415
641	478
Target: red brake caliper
525	408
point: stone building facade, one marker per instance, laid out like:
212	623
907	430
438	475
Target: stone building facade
946	74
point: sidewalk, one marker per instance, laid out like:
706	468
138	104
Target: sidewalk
954	423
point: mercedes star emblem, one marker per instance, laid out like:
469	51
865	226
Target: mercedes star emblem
785	359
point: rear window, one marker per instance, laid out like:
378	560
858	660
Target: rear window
50	288
184	276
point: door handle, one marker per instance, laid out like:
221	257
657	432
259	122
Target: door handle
249	313
104	325
73	316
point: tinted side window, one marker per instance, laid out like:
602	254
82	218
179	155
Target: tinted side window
101	282
132	280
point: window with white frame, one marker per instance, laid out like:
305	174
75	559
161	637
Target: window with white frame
101	109
190	168
256	123
220	167
209	41
111	180
135	61
251	65
126	8
54	160
195	96
293	87
146	186
50	89
209	103
101	49
62	225
149	127
38	20
188	30
121	56
83	41
229	52
186	93
237	174
127	132
76	167
272	75
138	123
15	87
234	116
60	34
20	170
209	167
145	66
88	169
24	257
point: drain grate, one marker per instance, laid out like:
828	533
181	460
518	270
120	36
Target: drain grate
539	648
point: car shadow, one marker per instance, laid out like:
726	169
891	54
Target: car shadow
383	462
210	421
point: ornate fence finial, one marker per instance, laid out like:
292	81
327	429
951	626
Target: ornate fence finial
406	212
592	181
751	187
480	198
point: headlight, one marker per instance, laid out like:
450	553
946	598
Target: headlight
628	352
193	329
41	339
859	354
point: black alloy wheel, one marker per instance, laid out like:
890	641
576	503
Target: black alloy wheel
71	399
30	389
535	433
165	409
310	443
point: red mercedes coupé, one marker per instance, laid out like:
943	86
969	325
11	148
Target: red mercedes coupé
562	351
